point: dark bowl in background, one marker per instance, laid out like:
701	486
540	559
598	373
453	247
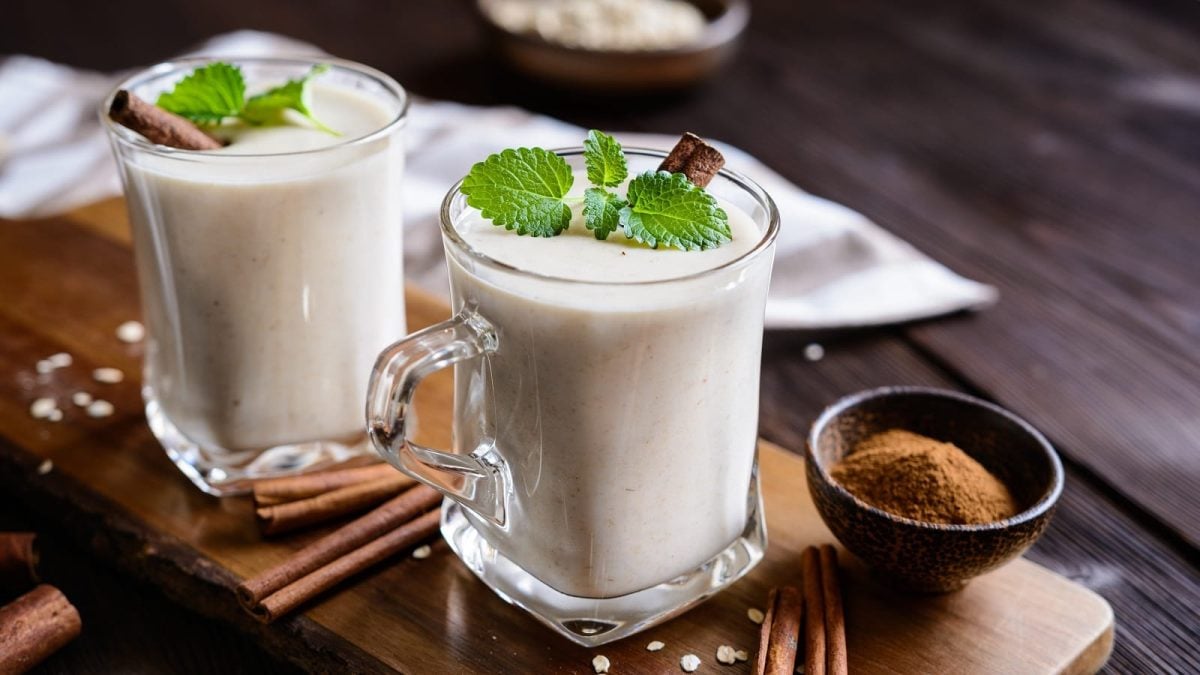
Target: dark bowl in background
626	72
929	557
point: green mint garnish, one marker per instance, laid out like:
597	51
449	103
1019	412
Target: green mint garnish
667	209
601	211
268	107
211	94
605	160
207	95
525	189
522	189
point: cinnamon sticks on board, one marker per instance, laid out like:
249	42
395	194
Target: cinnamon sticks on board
18	562
289	516
35	626
158	125
398	524
820	611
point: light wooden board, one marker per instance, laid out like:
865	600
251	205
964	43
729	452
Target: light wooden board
66	283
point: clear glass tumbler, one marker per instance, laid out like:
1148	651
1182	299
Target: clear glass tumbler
269	280
604	471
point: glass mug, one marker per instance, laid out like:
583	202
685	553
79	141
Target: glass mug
261	278
604	469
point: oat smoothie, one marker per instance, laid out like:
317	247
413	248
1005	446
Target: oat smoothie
628	415
271	275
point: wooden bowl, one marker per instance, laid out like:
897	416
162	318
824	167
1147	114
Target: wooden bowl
921	556
628	71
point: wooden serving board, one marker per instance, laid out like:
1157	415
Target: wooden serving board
66	283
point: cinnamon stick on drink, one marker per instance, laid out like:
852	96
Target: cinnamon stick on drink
779	635
158	125
695	159
279	518
18	562
35	626
293	488
391	515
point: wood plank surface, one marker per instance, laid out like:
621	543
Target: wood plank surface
113	486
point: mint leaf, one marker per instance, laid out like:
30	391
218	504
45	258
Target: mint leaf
268	107
605	160
601	211
207	95
667	209
522	189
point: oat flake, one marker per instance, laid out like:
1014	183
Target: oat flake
600	664
81	399
44	366
689	663
655	646
60	360
100	408
45	467
741	655
755	615
108	375
131	332
422	552
725	654
42	407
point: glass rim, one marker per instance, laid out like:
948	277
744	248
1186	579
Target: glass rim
741	181
131	138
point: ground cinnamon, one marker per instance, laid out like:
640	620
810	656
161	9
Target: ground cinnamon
917	477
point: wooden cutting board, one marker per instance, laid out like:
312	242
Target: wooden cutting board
66	283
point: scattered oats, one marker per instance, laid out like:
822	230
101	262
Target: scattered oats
108	375
689	663
42	407
741	655
45	467
100	408
45	366
600	664
814	352
725	654
655	646
55	415
422	552
81	399
60	360
131	332
755	615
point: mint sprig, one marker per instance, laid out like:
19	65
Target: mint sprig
605	160
211	94
524	189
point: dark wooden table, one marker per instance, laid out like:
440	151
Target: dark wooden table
1050	148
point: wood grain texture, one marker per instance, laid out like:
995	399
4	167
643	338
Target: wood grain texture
112	481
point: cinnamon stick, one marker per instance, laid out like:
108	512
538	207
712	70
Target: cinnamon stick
779	635
292	488
293	595
18	562
835	617
393	513
814	613
35	626
290	516
694	158
158	125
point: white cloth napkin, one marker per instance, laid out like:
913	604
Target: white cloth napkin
833	267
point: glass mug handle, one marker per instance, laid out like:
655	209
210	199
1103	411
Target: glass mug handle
479	480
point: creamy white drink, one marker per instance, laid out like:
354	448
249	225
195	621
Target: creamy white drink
271	274
628	415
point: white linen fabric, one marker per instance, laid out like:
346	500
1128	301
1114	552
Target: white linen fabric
833	267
